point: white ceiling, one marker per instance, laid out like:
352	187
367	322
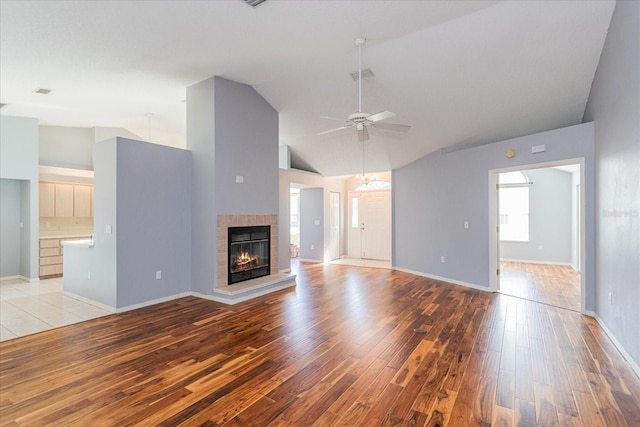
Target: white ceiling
460	72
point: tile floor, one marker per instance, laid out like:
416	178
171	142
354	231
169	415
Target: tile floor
27	308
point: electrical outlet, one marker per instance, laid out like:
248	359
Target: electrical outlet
442	259
158	274
312	247
610	298
89	275
466	224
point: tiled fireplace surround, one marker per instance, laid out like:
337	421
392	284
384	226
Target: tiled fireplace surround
226	221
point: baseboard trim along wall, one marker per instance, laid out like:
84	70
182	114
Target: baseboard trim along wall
444	279
616	343
89	301
152	302
528	261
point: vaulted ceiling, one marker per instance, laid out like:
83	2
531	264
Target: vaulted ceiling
460	72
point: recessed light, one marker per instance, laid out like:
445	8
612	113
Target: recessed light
43	91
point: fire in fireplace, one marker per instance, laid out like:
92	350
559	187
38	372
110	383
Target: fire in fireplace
249	253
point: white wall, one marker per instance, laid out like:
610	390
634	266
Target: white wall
66	147
312	224
614	106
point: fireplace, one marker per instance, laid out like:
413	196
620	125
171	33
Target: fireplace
249	253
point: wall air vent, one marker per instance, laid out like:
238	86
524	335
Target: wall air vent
254	3
2	105
366	73
43	91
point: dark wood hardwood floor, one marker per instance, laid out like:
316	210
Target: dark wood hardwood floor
348	346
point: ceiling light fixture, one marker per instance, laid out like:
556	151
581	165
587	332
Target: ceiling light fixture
371	183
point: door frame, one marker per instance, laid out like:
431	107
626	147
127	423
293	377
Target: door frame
494	238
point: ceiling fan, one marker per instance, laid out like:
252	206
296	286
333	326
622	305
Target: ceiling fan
361	120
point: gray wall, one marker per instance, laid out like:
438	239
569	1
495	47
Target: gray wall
614	106
433	196
232	131
246	144
19	160
312	234
550	220
154	221
142	191
201	142
99	261
10	233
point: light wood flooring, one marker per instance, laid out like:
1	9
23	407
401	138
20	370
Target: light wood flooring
557	285
348	346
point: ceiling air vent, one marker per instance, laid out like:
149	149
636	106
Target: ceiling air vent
366	73
254	3
43	91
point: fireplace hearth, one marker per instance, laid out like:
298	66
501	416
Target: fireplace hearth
249	253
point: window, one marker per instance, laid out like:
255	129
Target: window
355	223
514	207
295	212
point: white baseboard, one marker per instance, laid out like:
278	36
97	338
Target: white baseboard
529	261
20	277
616	343
153	302
89	301
310	260
445	279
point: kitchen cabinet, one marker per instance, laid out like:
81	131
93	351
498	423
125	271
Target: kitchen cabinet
47	199
64	200
81	201
51	256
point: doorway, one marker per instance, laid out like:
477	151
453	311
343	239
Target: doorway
537	226
370	225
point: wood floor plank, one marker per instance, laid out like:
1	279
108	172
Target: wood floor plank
341	349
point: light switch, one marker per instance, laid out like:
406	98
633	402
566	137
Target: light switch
316	222
108	229
239	179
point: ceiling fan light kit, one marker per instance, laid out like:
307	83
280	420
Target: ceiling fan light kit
360	119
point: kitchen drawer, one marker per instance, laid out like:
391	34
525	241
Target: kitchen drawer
48	270
49	260
49	243
50	251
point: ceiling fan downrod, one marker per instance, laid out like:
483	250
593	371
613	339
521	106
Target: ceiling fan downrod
360	41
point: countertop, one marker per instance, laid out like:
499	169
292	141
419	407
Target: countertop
79	243
58	234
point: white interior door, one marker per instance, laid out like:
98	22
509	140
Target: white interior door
334	225
375	222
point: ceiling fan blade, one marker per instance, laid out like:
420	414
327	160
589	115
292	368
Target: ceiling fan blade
334	130
392	126
363	134
383	115
332	118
